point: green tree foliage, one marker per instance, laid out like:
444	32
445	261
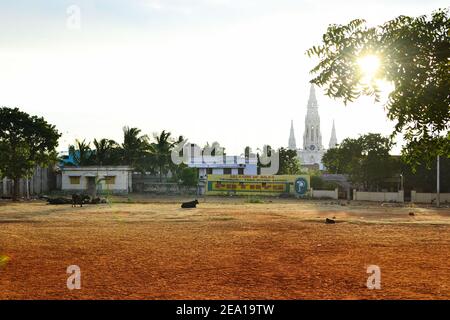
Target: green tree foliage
289	163
319	184
161	152
189	176
135	149
366	160
422	178
82	153
25	142
414	53
247	152
107	152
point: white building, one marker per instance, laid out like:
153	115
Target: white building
224	165
114	179
313	150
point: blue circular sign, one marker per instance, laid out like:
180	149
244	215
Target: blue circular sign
301	186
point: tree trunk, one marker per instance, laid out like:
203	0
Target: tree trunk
16	189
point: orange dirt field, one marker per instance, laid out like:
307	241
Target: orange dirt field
224	249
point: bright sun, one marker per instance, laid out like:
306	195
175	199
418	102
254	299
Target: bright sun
369	65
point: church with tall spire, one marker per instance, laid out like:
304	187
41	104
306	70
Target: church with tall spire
311	154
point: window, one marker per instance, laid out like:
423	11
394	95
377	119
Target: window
74	179
227	171
209	171
240	170
110	180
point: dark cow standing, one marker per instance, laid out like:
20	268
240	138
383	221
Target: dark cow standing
79	200
190	204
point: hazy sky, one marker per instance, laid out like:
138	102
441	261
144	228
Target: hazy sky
232	71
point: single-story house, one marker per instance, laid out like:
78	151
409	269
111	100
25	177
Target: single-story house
97	179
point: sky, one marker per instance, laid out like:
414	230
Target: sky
232	71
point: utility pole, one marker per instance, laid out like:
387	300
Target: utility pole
438	200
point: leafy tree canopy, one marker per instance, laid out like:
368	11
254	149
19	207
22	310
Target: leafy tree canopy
413	55
25	142
289	163
160	152
366	160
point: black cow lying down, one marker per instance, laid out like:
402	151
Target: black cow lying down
78	199
190	204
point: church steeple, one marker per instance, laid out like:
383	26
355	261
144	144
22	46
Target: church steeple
292	144
312	101
333	139
312	137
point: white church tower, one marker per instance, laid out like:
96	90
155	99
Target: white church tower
312	137
311	154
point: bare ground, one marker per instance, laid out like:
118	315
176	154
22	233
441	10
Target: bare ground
224	249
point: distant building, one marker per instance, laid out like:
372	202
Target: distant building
96	179
224	165
311	154
220	165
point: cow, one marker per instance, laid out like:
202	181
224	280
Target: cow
330	221
190	204
78	199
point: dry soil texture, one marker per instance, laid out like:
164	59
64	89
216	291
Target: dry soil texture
224	249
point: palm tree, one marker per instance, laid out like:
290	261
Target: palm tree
134	147
82	153
104	151
161	151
